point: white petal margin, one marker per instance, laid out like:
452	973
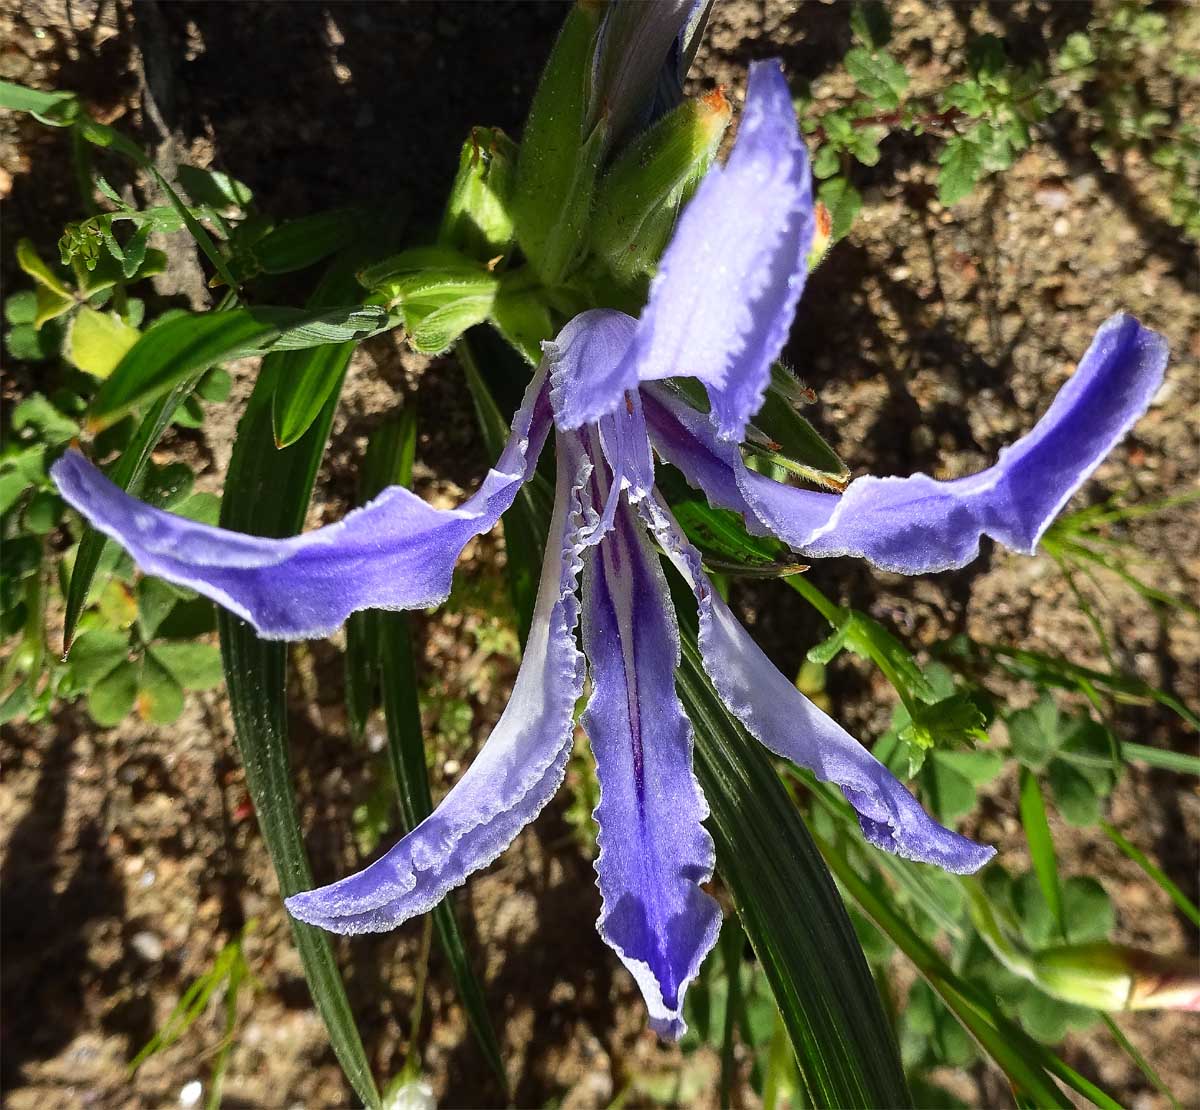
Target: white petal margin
788	724
519	769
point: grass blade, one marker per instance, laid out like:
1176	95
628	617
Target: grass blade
176	348
1028	1064
1186	905
1055	671
1163	758
1143	1065
267	493
1041	845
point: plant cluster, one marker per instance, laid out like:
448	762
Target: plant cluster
983	121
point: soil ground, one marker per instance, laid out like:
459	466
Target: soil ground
932	338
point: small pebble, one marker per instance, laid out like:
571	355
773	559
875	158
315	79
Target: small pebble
149	947
189	1093
1053	197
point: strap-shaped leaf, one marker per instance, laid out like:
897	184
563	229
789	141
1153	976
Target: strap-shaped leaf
791	910
306	378
379	646
1028	1065
266	492
177	348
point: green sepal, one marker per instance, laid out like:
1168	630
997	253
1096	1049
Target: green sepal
478	218
556	167
638	199
439	292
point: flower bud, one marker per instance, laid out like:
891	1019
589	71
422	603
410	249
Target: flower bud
1114	977
557	162
478	218
640	197
635	43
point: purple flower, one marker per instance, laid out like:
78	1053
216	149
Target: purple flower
719	310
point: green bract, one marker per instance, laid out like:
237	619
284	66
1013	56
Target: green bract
478	218
639	198
557	165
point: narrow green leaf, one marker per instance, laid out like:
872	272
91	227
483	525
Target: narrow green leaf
295	244
1143	1065
1028	1064
389	461
170	352
306	378
790	908
1052	670
1041	845
267	492
1185	904
1163	758
57	109
185	345
214	188
406	751
731	943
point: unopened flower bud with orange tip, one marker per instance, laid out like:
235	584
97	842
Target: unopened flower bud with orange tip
1116	977
822	235
640	196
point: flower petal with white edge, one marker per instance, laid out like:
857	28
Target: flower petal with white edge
395	553
654	849
918	525
787	723
516	773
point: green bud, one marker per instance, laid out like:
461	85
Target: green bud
478	218
439	292
557	163
1114	977
640	197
